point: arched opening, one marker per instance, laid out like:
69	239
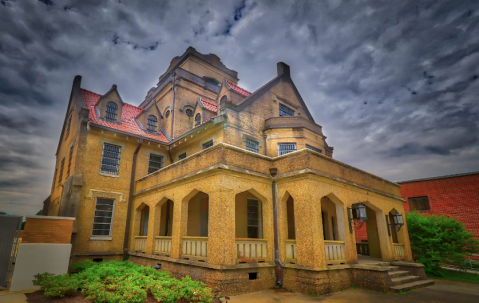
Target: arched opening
250	245
290	218
164	229
111	112
224	98
290	228
195	242
166	219
142	215
197	119
330	219
334	230
152	123
145	214
396	233
369	246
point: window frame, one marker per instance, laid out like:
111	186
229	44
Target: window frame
62	167
416	209
110	119
207	144
285	111
69	126
318	150
149	126
180	158
284	144
111	221
149	161
197	119
259	213
103	155
249	148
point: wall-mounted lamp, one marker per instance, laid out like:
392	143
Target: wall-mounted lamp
398	222
357	216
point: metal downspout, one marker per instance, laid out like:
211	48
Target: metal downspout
279	265
130	202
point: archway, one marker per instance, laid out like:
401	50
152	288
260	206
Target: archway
397	234
163	229
289	229
142	214
195	239
166	219
334	230
369	247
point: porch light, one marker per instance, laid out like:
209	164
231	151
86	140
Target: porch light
357	216
398	222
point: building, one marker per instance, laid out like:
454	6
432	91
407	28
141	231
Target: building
452	195
237	189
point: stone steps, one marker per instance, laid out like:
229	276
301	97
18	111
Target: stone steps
404	280
412	285
398	273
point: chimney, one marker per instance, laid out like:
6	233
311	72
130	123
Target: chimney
283	69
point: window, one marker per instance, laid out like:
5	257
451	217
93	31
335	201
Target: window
285	111
167	114
69	126
110	160
60	176
155	163
419	203
103	217
252	145
152	123
212	81
197	119
189	112
224	99
111	112
285	148
314	148
253	210
182	156
54	178
208	144
70	160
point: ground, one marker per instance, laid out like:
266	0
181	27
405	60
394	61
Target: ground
442	292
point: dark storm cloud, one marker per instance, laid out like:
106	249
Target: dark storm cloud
394	84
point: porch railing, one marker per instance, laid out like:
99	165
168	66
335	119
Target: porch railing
334	252
195	248
250	250
140	243
291	251
399	251
163	245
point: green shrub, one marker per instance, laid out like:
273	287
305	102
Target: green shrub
124	282
79	267
439	240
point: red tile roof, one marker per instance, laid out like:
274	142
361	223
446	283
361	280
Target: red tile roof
209	105
128	114
238	89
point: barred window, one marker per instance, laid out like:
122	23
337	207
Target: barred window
285	148
152	122
285	111
182	156
252	145
69	126
110	159
197	119
70	160
103	217
155	163
419	203
208	144
111	112
314	148
189	112
254	219
60	176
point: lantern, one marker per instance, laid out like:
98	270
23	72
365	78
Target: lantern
357	216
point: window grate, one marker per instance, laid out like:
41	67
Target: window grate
70	161
60	176
419	203
286	148
155	163
110	160
197	119
253	218
111	112
208	144
252	145
103	217
182	156
314	148
285	111
152	123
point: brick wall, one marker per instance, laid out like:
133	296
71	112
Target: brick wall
45	230
457	197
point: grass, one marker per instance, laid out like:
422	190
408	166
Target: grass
313	295
459	276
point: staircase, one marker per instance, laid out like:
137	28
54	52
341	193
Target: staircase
403	280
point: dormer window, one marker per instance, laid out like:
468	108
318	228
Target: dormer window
111	112
152	123
197	119
285	111
167	114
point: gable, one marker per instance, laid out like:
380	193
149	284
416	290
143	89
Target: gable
111	96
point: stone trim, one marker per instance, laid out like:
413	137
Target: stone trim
91	192
50	217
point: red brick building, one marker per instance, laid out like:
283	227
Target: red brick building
453	195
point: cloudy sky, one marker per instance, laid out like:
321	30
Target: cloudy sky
395	84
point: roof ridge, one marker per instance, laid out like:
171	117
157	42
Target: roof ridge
90	91
238	88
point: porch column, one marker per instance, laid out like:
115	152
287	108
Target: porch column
385	242
180	219
221	227
153	229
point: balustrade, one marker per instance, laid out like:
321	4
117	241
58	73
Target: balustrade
195	248
250	250
140	243
291	251
399	251
334	252
163	245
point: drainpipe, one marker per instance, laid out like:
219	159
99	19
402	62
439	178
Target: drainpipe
130	202
173	82
279	265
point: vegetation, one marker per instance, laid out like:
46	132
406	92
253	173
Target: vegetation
439	240
122	282
460	276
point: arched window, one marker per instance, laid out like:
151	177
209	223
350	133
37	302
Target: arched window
197	119
189	112
167	114
152	123
224	99
111	111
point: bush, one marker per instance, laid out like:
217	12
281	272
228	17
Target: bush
123	282
79	267
439	240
